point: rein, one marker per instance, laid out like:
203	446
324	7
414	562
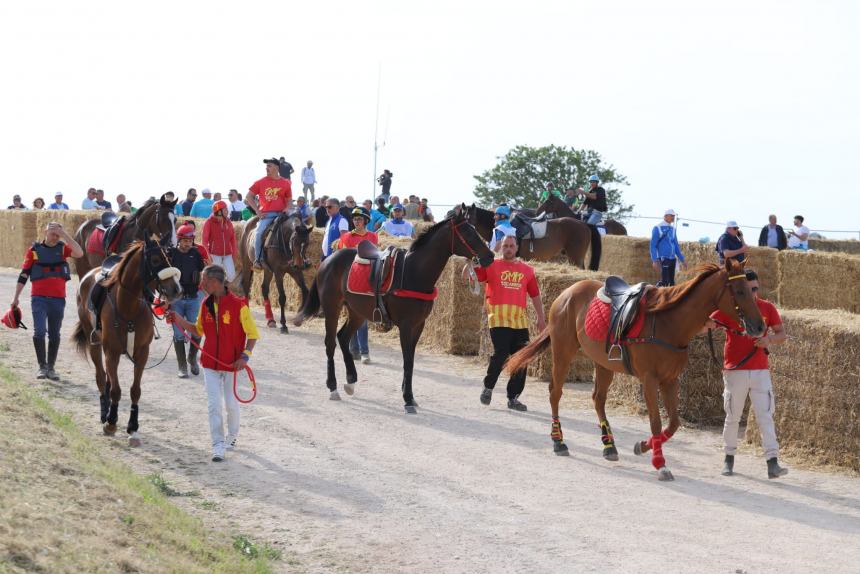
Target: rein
235	373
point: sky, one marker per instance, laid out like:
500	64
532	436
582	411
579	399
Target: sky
729	110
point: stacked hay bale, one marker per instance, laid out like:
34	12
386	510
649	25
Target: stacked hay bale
553	278
835	245
816	379
819	281
627	257
763	259
20	232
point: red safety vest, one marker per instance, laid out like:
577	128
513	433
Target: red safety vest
225	337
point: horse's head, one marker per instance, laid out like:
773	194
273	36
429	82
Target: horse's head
299	241
739	302
465	239
162	221
158	273
481	219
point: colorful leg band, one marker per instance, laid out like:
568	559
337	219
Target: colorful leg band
269	315
657	459
666	435
555	434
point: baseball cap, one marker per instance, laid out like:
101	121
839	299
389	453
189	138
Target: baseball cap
58	194
206	191
732	223
274	161
397	206
16	196
670	212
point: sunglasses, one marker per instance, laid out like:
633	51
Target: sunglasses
754	289
331	207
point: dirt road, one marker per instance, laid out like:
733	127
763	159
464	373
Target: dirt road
360	486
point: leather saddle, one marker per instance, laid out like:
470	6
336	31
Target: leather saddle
529	227
112	231
381	263
274	236
97	293
624	301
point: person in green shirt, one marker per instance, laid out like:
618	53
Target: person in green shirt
551	189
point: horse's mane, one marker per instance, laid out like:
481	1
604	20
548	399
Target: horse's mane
424	238
667	298
138	215
119	269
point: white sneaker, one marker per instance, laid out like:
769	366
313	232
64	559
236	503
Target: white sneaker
231	442
365	359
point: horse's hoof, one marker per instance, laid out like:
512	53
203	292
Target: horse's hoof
410	409
349	388
334	396
610	454
284	330
664	474
109	429
271	324
134	440
637	448
560	449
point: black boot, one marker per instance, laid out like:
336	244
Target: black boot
39	345
192	356
774	470
180	359
729	465
53	350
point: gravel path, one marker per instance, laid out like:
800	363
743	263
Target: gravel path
360	486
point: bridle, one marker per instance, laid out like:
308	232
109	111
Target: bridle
738	310
741	332
455	232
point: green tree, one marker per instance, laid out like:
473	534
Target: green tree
523	173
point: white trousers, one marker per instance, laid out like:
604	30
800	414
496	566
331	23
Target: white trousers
219	391
225	261
756	384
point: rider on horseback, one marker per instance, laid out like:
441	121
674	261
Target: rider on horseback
503	227
268	197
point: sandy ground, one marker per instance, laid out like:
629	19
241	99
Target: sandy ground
360	486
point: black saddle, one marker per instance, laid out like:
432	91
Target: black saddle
274	236
523	224
624	307
367	250
107	219
98	292
381	263
115	228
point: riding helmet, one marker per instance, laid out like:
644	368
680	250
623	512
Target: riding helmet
185	232
594	178
361	212
503	210
218	206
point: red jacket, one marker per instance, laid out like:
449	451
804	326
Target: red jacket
218	237
224	337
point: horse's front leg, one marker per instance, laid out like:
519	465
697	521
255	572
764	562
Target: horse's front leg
282	301
655	442
267	305
140	358
111	366
408	342
102	382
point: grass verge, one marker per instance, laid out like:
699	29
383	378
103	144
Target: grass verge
65	506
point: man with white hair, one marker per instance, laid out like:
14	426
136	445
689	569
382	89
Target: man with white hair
309	180
665	251
202	208
731	244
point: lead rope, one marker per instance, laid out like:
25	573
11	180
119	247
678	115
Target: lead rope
235	373
474	284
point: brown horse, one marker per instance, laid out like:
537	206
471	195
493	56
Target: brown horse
571	235
557	208
408	304
127	324
285	249
154	218
673	316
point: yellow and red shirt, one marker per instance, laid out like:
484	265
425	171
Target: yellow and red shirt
49	286
225	331
508	283
273	194
352	239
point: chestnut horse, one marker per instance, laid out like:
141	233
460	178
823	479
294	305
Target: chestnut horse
407	306
673	316
557	208
154	218
284	255
127	324
568	234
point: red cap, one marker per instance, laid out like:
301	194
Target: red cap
185	231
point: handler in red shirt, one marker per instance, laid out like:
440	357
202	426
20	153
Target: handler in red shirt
267	198
45	265
509	282
746	372
358	345
220	240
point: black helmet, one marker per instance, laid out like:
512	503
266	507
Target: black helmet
361	212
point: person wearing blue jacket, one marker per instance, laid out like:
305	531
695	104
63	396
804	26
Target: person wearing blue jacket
665	250
503	227
202	208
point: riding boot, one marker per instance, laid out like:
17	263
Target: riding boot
729	465
53	350
39	344
192	356
179	346
774	470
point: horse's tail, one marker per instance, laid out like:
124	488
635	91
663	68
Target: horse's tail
311	305
596	248
520	360
79	338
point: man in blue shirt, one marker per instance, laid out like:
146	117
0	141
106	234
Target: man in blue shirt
731	243
202	208
376	217
665	249
184	207
397	226
58	202
503	227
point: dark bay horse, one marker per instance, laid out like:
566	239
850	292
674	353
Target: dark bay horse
414	279
558	208
154	218
127	324
571	235
673	316
285	250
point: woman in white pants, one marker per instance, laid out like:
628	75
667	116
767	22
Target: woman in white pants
746	371
229	334
219	239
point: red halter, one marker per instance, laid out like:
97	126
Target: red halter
455	231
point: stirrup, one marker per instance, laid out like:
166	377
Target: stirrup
612	348
95	340
377	312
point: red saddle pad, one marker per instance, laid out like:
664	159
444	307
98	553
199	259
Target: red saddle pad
597	320
94	242
358	281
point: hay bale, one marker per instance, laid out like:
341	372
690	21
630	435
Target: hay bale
454	325
835	245
816	379
553	278
627	257
19	233
819	280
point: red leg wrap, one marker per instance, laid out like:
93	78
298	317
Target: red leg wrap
269	315
556	434
657	452
666	435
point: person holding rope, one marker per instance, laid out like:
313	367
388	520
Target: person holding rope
746	372
509	281
190	260
46	267
229	335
